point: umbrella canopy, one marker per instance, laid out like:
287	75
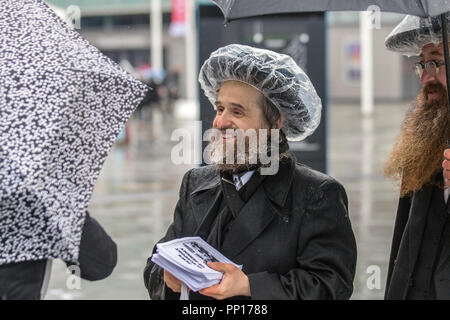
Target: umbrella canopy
235	9
63	103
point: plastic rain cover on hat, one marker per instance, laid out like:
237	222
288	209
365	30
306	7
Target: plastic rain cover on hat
413	33
275	75
63	103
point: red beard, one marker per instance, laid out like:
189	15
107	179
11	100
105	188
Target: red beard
418	152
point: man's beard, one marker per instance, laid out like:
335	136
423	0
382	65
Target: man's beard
418	152
244	157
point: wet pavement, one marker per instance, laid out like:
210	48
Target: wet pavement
137	191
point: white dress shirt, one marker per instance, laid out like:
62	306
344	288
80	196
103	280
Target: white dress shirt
239	182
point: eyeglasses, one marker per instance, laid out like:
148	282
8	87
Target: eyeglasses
431	66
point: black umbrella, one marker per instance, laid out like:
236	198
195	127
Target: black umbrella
236	9
63	103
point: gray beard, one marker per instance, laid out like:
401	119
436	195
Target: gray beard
227	158
240	159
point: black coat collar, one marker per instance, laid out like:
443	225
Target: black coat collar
257	213
276	191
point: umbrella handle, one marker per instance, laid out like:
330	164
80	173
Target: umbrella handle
447	69
447	62
448	205
446	56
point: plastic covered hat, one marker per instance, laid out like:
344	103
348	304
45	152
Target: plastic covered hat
413	33
275	75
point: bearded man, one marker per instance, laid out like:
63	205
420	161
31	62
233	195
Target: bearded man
419	266
289	228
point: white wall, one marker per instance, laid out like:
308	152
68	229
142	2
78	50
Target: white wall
388	68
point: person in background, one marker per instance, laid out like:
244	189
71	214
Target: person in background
419	264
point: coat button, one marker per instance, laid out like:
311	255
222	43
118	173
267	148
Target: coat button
286	219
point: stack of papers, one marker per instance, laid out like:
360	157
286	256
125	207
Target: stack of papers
186	259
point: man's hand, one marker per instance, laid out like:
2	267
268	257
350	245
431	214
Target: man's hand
172	282
446	166
234	282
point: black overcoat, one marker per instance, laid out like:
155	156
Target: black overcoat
293	236
407	240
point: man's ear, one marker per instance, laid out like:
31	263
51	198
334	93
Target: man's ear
279	122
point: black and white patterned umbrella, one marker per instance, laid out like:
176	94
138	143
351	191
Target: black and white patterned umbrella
62	105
